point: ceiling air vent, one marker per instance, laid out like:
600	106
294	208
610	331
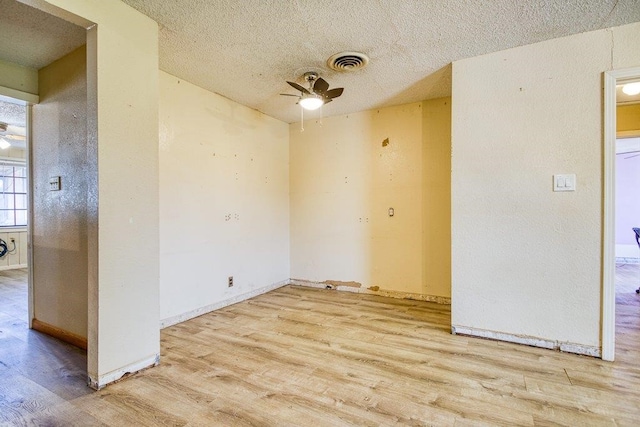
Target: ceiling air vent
348	61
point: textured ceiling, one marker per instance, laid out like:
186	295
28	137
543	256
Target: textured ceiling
13	114
245	50
34	39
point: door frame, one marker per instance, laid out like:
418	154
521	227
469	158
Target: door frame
28	100
611	79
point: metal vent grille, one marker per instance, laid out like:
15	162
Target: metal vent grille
348	61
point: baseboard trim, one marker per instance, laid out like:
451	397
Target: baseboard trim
13	267
528	340
61	334
174	320
368	291
119	374
627	260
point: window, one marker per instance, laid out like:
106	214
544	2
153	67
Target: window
13	195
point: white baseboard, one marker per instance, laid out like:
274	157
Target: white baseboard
627	251
12	267
173	320
528	340
367	291
113	376
623	260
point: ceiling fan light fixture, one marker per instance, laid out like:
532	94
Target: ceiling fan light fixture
631	88
4	144
311	102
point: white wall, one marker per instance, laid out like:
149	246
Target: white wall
344	180
16	257
526	260
224	200
627	204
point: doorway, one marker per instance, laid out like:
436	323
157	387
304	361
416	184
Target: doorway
613	83
29	359
28	75
627	212
14	307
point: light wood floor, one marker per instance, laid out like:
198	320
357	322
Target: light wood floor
310	357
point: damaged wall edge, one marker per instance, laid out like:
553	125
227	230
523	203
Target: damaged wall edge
373	290
566	347
104	380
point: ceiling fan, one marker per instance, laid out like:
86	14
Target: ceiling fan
9	132
318	93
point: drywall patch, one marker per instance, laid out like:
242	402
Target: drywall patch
528	340
371	291
337	283
407	295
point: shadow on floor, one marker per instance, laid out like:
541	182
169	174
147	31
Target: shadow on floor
35	369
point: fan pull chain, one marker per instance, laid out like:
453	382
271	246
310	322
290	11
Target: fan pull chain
301	119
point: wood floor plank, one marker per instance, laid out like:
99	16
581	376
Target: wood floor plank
125	408
21	397
64	414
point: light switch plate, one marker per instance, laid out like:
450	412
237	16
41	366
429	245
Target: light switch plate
564	182
54	183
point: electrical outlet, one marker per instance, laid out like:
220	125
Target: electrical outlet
230	281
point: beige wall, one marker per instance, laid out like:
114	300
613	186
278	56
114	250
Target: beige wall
17	77
59	238
628	119
224	200
436	197
527	261
344	179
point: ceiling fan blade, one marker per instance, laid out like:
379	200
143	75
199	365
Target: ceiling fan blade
334	93
327	100
320	86
13	130
298	87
